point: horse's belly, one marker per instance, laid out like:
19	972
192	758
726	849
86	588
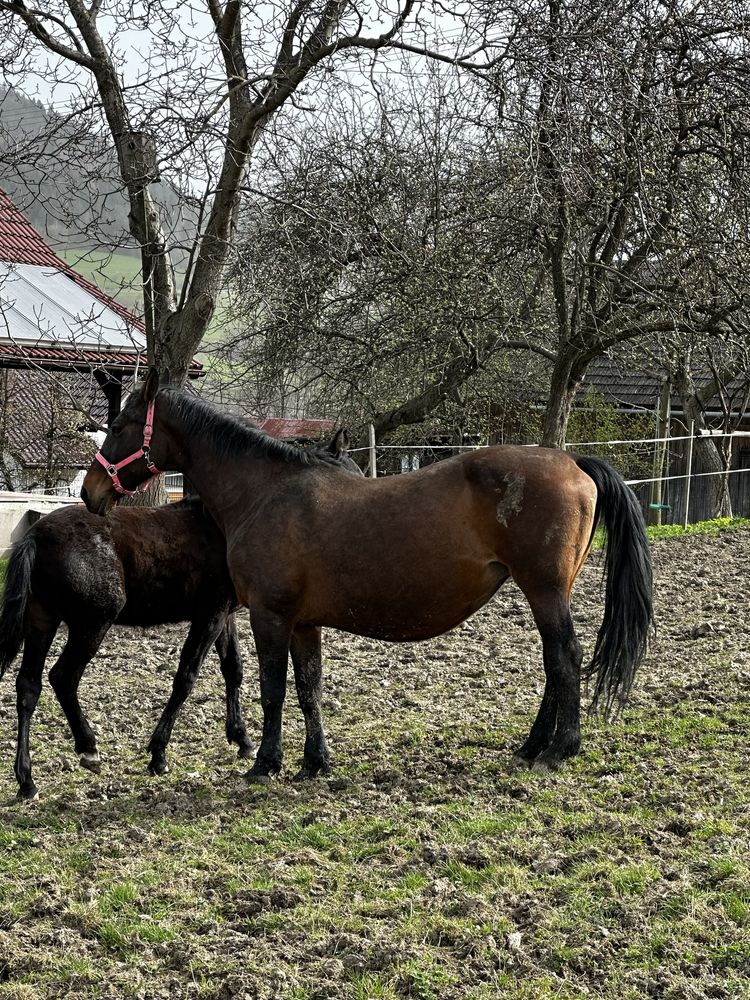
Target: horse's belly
414	610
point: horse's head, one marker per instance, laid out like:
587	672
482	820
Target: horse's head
125	463
339	446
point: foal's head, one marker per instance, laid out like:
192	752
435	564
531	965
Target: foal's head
129	458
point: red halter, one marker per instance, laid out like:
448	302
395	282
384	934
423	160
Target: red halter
143	452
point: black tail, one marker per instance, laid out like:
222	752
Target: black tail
14	599
628	608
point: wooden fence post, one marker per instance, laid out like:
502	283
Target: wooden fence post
689	474
373	453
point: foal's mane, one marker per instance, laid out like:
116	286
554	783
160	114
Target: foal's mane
232	437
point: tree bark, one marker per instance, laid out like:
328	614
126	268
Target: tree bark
565	382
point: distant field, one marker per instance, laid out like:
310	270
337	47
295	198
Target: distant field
117	274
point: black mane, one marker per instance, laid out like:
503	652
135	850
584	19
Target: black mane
232	437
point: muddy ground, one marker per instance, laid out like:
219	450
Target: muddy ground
426	866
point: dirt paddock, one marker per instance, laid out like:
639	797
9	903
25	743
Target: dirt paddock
426	866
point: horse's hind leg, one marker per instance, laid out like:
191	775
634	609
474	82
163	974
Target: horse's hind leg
65	676
201	636
555	734
230	658
305	648
40	631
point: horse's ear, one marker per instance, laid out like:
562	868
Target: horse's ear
151	385
339	443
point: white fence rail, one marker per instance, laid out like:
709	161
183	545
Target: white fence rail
669	479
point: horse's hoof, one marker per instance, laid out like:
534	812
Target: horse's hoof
258	778
520	762
246	752
28	793
546	765
261	773
157	768
92	762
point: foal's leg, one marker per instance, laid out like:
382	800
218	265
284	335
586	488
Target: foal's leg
28	688
556	732
230	658
307	660
65	677
201	636
272	639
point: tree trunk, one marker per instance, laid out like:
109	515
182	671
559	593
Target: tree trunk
564	384
706	448
155	496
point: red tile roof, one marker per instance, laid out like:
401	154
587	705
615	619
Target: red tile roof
84	358
295	430
29	396
20	243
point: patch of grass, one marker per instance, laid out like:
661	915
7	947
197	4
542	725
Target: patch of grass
116	274
708	529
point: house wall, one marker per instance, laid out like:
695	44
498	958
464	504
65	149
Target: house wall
18	511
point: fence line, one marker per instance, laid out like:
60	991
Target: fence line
679	501
667	494
568	444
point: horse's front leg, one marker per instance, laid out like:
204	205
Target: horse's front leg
201	636
272	638
308	670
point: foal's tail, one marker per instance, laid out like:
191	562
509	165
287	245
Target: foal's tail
14	599
628	608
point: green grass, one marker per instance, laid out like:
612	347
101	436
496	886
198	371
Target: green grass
708	529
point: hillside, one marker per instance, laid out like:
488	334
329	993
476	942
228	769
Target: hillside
64	178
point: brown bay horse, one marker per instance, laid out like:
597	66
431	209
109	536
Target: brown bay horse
140	566
401	558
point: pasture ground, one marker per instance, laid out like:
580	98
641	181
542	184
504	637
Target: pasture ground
426	866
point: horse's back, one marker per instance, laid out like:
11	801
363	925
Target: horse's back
139	565
173	562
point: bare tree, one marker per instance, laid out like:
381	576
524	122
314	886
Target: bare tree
633	120
589	189
205	90
380	272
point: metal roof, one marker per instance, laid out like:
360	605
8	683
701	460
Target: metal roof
20	243
42	306
51	317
